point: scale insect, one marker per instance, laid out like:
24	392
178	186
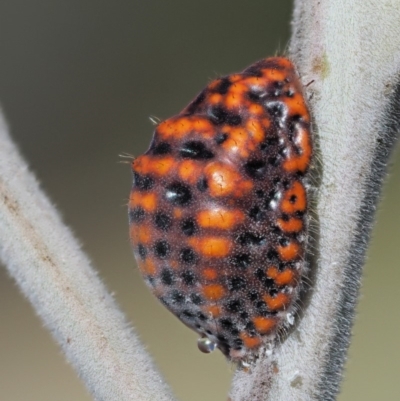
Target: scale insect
219	210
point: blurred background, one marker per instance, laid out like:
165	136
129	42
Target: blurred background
78	81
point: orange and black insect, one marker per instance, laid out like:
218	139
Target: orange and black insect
219	210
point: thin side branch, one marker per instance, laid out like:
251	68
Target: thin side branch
47	263
350	49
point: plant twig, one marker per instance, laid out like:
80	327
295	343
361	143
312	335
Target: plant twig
351	50
55	275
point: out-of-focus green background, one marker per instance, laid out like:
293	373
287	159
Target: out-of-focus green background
78	81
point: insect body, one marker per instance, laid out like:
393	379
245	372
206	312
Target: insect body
218	208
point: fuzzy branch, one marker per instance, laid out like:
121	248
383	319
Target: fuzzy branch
351	49
58	279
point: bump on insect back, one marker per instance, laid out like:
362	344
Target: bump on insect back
219	209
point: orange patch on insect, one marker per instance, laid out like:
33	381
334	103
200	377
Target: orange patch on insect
215	98
292	225
257	129
212	247
237	142
148	201
212	310
264	324
148	267
189	171
178	213
286	277
297	106
256	109
213	292
224	180
272	74
139	234
279	301
210	274
234	97
219	218
290	251
153	165
300	162
250	342
294	199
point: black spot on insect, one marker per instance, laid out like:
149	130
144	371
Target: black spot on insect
234	119
142	182
248	238
293	199
299	213
272	254
276	109
256	96
219	115
220	138
202	317
167	277
177	297
253	71
256	214
271	141
226	324
260	274
187	256
196	299
237	343
178	194
260	193
136	215
195	150
162	249
273	161
193	106
188	277
244	315
284	242
162	148
261	306
250	328
186	314
276	181
289	93
253	295
242	261
269	284
234	306
234	331
188	227
255	168
236	283
223	86
222	339
142	251
272	291
285	217
202	185
162	221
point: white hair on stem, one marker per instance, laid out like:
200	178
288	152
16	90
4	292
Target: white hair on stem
47	263
351	50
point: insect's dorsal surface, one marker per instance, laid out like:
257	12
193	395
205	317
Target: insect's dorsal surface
218	208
